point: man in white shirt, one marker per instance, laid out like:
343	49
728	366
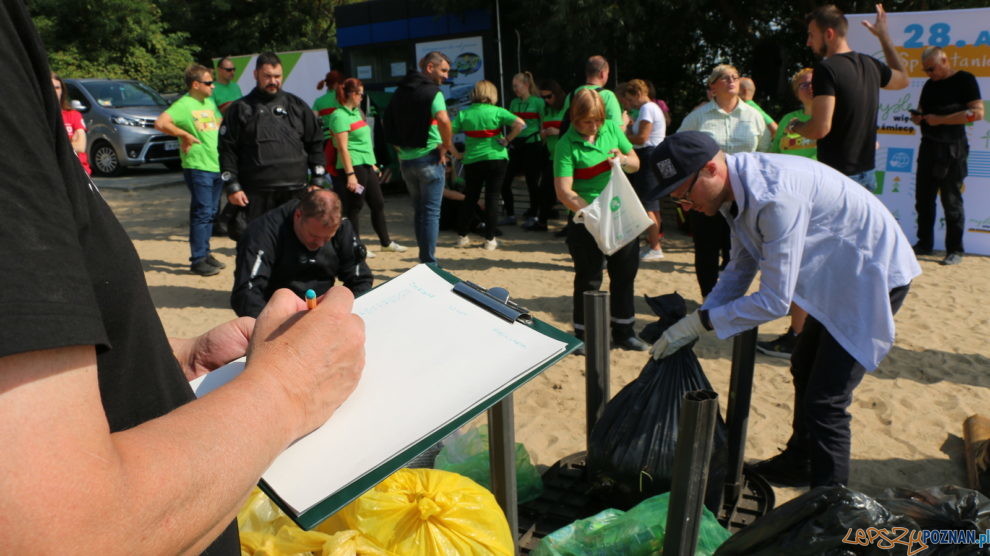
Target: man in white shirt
817	238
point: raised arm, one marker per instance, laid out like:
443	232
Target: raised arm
898	78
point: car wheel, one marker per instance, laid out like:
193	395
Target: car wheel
103	159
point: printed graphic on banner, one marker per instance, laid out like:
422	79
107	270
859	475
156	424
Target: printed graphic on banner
899	160
964	36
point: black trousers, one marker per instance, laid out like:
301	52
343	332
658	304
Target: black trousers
711	238
487	175
527	159
941	170
352	203
622	267
261	201
825	376
548	194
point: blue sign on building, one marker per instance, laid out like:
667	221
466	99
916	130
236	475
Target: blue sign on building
899	160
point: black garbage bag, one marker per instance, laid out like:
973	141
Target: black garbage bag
822	521
632	447
947	508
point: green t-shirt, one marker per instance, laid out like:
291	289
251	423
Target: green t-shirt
324	106
613	111
482	127
433	135
223	94
588	163
529	110
359	144
792	143
552	118
766	117
202	120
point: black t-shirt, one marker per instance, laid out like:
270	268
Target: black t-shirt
947	96
854	80
70	274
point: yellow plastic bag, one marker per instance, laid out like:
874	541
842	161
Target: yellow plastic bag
266	531
427	512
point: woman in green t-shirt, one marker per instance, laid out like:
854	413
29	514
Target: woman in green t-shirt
553	116
324	106
582	168
485	156
787	142
526	152
357	180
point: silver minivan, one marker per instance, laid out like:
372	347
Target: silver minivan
120	119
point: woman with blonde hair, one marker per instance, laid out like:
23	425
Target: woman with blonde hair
526	153
582	167
485	156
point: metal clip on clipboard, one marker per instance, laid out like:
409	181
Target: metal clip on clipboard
494	300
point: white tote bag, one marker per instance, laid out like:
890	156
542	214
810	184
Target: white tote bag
616	217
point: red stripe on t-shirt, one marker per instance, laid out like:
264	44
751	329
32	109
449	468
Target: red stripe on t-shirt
327	111
482	133
358	124
552	123
528	115
433	122
592	171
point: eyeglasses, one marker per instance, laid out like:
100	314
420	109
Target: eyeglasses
729	78
684	201
227	69
207	83
805	85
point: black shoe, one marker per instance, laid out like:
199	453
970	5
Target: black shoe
203	268
211	260
952	258
535	226
785	469
781	347
919	250
631	343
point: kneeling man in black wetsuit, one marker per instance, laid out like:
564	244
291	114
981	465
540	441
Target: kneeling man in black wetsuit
301	245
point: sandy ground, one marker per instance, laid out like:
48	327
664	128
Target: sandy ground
907	416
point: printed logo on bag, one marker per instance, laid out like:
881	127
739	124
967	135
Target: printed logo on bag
666	168
615	204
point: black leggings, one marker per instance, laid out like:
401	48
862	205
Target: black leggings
525	158
352	202
485	174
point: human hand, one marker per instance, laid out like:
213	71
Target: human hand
186	142
682	333
213	349
916	119
878	27
503	141
315	370
551	131
238	198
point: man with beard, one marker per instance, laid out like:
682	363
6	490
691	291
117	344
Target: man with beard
268	141
844	112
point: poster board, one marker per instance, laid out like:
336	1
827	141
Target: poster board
301	71
467	67
965	37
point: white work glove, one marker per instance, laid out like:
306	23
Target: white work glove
682	333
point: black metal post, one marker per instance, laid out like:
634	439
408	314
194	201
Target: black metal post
737	414
695	437
597	344
502	454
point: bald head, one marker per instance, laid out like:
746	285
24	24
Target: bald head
596	70
747	89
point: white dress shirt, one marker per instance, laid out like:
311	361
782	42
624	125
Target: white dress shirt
818	239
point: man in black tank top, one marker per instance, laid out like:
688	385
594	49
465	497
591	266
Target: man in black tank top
846	86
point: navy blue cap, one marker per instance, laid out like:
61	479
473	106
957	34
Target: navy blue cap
677	158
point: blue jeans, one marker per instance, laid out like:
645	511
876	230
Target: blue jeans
424	178
867	179
204	194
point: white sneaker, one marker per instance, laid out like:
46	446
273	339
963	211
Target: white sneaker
463	241
394	247
652	255
491	244
370	255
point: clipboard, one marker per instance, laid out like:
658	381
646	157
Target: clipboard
472	302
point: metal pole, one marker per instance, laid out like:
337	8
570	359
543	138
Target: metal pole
737	413
597	344
695	437
502	454
498	34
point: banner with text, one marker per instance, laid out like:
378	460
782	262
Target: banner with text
965	36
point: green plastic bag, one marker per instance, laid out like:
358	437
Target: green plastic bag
467	454
640	531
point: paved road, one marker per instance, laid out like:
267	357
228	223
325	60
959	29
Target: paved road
141	177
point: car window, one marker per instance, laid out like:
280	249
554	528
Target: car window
121	94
